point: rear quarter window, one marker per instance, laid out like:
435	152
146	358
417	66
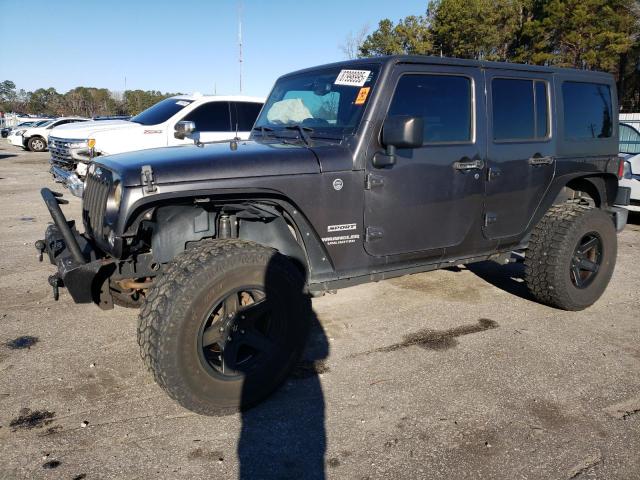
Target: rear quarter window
587	111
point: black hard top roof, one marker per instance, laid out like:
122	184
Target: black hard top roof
429	60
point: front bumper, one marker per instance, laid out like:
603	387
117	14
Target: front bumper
69	179
15	140
82	268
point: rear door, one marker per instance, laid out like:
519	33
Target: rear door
243	116
521	148
431	199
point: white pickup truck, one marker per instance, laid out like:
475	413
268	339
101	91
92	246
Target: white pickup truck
73	147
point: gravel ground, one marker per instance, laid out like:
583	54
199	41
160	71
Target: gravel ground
452	374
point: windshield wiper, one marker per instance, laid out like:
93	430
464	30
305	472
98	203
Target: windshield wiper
303	132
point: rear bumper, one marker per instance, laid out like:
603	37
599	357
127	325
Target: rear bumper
620	215
80	267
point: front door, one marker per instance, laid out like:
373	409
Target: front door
520	151
213	122
432	197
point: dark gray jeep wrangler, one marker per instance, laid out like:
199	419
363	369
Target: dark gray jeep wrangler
355	172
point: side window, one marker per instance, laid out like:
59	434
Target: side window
587	110
244	114
520	109
211	117
443	101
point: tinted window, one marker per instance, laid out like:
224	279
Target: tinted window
629	139
587	110
443	101
513	110
211	117
542	110
161	111
244	114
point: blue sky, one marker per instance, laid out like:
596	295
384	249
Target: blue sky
180	45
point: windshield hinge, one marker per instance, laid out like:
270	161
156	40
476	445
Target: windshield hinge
373	181
146	177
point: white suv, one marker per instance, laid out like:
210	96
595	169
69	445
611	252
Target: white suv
35	138
216	118
630	152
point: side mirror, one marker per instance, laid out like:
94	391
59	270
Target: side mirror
183	129
399	131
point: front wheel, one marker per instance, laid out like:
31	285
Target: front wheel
224	325
37	144
571	256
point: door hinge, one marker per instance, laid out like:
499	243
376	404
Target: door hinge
146	177
373	233
373	181
490	218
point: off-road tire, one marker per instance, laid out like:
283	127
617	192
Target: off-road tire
551	248
172	313
37	144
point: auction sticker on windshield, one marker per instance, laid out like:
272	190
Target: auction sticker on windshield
353	78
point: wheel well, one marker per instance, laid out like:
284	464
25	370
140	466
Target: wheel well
600	189
174	228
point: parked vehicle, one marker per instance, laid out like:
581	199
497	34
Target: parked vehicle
355	172
630	152
14	136
6	130
35	138
218	118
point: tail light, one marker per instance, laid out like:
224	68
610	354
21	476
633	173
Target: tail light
620	168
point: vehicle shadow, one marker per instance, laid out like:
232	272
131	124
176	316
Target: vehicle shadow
634	218
284	436
509	277
7	155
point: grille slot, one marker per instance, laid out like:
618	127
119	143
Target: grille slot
94	202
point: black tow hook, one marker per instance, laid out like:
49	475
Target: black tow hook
40	246
56	282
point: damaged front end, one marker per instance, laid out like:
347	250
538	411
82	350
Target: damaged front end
84	269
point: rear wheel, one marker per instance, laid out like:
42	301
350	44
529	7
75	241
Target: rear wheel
571	256
224	325
37	144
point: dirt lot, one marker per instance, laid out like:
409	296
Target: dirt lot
452	374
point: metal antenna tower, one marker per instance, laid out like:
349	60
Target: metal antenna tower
240	41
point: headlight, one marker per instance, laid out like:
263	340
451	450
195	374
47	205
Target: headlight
627	170
78	144
19	132
117	195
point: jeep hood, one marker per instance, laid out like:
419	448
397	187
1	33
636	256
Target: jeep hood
82	130
213	162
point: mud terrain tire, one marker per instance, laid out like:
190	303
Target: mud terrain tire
180	311
571	241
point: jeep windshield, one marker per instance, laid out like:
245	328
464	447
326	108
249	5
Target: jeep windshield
161	111
327	103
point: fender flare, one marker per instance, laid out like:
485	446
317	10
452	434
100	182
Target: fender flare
313	256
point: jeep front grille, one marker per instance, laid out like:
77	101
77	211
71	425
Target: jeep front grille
94	201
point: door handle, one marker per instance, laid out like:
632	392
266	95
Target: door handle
467	164
540	160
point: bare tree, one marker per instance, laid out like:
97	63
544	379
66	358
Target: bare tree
353	41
